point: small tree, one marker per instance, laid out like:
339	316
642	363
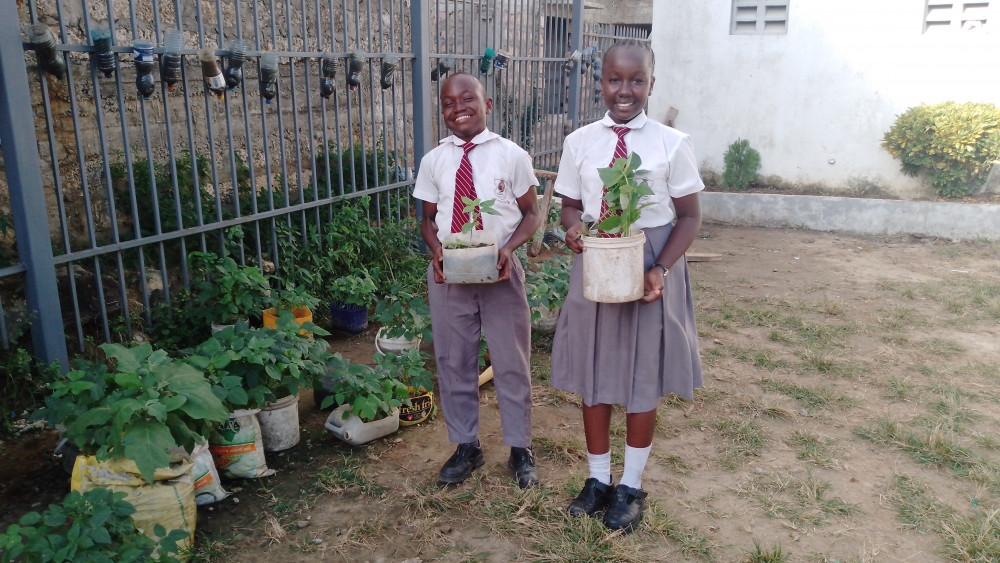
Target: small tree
742	165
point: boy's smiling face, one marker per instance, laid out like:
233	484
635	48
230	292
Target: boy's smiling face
626	82
464	106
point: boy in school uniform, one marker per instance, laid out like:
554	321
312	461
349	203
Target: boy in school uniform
475	160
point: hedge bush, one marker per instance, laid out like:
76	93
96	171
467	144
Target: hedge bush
954	145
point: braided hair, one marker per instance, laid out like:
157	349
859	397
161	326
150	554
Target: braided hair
634	44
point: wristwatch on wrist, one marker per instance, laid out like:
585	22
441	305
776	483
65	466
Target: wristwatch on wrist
662	267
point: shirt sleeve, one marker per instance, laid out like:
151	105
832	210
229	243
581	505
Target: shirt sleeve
684	178
425	188
523	172
568	181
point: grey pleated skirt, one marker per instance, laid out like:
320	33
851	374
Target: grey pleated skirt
629	353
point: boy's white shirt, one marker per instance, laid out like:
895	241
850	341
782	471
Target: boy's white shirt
668	160
501	171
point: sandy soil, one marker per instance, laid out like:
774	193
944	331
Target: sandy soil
879	329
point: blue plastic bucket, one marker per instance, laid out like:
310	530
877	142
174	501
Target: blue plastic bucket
348	318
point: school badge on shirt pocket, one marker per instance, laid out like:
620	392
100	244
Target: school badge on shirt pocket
502	191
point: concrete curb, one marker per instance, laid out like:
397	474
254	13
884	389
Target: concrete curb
959	221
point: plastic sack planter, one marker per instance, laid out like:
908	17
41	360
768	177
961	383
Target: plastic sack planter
612	268
302	315
474	261
348	318
355	432
385	345
279	424
421	409
167	501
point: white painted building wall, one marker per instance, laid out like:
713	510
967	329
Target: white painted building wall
816	101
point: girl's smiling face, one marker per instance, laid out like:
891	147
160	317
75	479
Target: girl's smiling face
626	82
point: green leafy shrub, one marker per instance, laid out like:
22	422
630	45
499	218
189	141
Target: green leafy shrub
372	392
95	527
954	145
547	285
145	404
404	314
250	367
23	383
354	168
742	165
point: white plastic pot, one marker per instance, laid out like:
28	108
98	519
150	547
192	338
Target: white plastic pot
355	432
612	268
476	262
398	345
546	323
279	424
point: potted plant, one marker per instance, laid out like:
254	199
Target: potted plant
547	286
125	415
294	299
93	526
409	368
138	408
351	296
471	255
405	319
612	266
263	369
230	291
369	400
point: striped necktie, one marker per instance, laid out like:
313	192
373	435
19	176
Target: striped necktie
620	152
464	187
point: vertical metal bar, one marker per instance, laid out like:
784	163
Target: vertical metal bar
27	199
309	108
420	46
576	37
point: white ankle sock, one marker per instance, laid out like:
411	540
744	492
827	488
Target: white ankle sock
635	463
600	466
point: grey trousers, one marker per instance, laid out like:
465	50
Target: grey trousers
500	310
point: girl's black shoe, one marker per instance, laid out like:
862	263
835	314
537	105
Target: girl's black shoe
625	510
593	498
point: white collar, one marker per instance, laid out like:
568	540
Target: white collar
482	137
637	122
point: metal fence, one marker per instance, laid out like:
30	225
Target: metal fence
110	183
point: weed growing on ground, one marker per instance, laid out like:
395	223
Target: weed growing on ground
743	438
810	447
561	452
761	554
807	397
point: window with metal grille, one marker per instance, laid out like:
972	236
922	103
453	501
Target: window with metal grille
759	17
952	16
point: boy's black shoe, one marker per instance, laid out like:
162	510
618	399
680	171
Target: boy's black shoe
459	466
625	510
593	498
522	463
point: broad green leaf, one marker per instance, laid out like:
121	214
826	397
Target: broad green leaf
128	380
147	444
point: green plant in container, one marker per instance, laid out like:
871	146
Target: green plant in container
404	315
353	289
230	291
251	367
95	526
371	393
138	408
623	194
409	367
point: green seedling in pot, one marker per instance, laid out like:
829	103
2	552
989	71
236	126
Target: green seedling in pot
623	195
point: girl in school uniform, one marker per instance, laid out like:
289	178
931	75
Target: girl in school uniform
628	353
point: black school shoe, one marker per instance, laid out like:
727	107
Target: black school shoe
625	511
460	465
522	463
593	498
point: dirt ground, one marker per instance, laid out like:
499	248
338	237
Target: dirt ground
849	413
